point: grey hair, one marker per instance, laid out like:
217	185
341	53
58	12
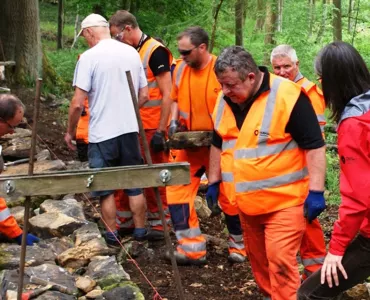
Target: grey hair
284	51
237	59
9	104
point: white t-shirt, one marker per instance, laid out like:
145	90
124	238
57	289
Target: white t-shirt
101	71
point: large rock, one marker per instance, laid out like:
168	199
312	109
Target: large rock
18	133
18	213
85	284
18	148
49	225
127	290
39	167
86	233
54	295
35	255
201	207
58	245
81	255
106	272
43	155
69	207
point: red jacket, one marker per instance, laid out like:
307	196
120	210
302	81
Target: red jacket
354	152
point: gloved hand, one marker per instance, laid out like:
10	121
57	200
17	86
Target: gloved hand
174	125
158	142
212	198
31	239
314	205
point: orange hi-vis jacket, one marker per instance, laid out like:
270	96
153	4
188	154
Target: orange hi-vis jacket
82	132
151	111
194	112
269	169
229	133
316	97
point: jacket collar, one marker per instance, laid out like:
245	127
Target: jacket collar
358	106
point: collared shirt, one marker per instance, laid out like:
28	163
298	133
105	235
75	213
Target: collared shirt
303	125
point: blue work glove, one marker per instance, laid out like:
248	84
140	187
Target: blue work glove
174	125
314	205
212	198
158	142
31	239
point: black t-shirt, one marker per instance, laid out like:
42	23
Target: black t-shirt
302	125
159	60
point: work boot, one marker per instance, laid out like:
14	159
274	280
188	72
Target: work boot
182	259
111	240
140	234
236	258
155	235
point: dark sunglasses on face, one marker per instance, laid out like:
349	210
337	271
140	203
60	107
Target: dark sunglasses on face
185	52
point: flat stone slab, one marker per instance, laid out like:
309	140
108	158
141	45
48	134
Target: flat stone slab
39	167
69	207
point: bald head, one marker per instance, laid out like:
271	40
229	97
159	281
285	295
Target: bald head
11	113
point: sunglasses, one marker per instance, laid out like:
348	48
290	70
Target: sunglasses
186	52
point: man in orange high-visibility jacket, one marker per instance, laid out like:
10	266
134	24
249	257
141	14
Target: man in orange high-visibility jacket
82	133
195	89
11	114
285	63
278	165
157	60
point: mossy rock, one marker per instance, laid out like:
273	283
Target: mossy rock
127	284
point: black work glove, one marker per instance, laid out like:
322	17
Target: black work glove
174	125
158	142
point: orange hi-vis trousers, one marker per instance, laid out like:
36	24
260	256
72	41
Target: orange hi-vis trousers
273	241
313	250
8	225
124	215
184	217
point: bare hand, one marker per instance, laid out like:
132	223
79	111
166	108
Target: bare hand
329	269
68	139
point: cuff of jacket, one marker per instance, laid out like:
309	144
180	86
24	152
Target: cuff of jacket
336	249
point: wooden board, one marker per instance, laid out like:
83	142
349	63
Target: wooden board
190	139
63	182
7	63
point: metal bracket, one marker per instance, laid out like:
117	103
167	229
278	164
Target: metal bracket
9	186
165	175
90	180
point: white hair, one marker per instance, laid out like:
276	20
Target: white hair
284	51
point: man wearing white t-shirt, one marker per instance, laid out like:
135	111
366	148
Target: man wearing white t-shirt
100	75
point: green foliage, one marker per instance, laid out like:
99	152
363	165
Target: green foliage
332	178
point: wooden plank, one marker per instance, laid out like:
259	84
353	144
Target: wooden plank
54	183
7	63
190	139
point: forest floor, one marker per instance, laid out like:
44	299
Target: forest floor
215	281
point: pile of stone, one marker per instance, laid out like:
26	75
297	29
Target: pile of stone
72	261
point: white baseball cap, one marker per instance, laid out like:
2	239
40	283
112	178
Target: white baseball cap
93	20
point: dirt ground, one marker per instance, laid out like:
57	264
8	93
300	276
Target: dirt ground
215	281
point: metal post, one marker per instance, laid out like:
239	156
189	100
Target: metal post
148	158
27	204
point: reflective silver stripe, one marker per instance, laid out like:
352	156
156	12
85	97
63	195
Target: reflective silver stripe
232	244
306	83
236	237
321	118
146	56
264	150
4	214
179	73
155	222
183	114
298	77
226	145
127	224
227	176
153	103
152	215
193	247
188	233
220	111
152	84
313	261
236	241
124	214
271	182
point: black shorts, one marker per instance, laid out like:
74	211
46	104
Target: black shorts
123	150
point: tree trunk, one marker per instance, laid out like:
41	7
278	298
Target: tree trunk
323	22
337	20
60	24
270	27
8	27
239	7
351	5
312	16
280	15
260	21
214	25
126	4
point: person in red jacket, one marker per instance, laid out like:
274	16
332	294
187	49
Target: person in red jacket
11	114
346	87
